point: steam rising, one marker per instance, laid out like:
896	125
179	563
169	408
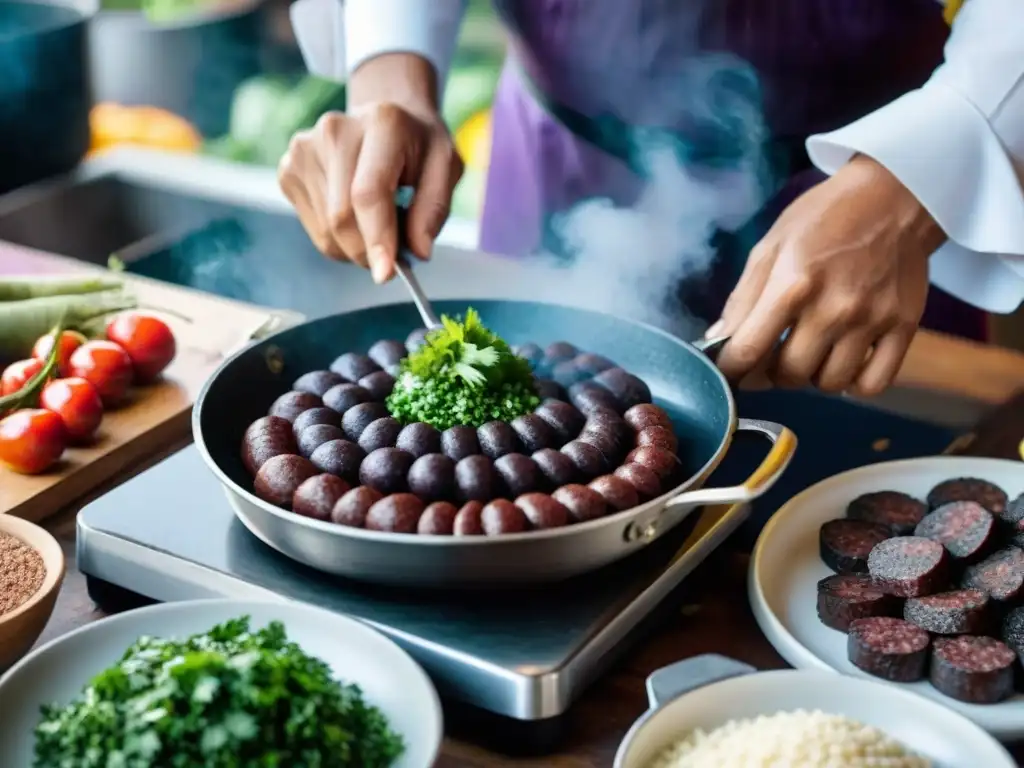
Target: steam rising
626	259
631	260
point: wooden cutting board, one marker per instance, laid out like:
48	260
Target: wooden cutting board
158	416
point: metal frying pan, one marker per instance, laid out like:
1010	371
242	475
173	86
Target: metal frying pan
682	379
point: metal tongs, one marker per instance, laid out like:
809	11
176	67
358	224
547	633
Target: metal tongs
711	347
403	265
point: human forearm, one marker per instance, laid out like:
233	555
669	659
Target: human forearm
407	79
957	144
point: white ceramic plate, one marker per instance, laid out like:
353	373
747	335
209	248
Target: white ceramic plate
934	732
786	568
390	679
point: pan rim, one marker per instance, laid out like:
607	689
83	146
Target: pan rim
509	539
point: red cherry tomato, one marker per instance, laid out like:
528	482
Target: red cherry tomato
148	341
31	440
69	342
16	375
106	366
77	403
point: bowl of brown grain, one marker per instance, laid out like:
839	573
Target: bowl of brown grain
31	572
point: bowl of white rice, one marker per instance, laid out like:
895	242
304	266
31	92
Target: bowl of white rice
713	712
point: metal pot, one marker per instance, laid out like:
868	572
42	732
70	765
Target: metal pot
190	67
684	381
44	89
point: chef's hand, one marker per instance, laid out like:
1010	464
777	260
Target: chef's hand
342	174
845	269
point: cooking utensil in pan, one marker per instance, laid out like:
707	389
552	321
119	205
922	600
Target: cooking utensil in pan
683	380
419	296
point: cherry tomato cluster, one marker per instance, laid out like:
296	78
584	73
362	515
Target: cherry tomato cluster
84	378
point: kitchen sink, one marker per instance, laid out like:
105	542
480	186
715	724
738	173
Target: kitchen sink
175	227
201	223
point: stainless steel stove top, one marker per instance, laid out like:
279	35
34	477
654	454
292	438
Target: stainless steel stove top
525	654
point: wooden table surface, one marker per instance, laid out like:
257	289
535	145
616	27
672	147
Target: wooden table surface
710	612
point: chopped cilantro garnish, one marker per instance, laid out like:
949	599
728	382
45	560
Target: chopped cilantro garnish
229	698
463	374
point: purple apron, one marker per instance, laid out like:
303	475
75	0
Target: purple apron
815	65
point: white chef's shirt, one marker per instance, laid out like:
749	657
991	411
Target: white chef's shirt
957	142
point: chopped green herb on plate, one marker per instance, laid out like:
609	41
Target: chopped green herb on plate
232	697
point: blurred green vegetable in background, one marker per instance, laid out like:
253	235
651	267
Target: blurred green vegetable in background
267	110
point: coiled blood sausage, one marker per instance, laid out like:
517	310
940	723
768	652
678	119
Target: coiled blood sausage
266	438
330	450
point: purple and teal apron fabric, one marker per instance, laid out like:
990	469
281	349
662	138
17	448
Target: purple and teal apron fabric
731	87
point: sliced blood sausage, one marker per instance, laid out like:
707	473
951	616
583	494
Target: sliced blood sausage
909	566
897	511
1000	575
1012	631
972	668
846	597
846	544
964	528
960	612
889	648
989	495
1010	521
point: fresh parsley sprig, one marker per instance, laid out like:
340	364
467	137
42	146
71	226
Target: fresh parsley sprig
463	373
468	352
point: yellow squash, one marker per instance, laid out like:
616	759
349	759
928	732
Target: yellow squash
114	125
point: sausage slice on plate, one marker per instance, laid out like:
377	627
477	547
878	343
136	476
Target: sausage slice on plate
844	545
909	566
960	612
897	511
1000	575
989	495
844	598
889	648
964	528
973	668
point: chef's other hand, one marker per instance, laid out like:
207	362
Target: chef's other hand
845	269
342	174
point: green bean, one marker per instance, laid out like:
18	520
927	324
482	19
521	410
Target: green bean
23	288
27	396
23	322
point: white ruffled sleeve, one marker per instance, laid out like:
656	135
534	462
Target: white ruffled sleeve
336	36
957	144
428	28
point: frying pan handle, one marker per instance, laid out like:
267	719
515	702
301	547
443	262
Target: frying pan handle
764	477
